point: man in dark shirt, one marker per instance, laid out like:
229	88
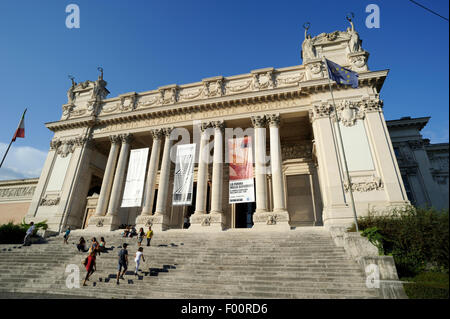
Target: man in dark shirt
123	262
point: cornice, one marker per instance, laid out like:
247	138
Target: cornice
239	90
418	122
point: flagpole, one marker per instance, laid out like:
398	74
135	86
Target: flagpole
352	201
4	156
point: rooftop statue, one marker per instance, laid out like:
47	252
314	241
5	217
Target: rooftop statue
355	42
308	50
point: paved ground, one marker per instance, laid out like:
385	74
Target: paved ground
35	296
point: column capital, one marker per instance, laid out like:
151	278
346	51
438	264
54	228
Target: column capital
320	111
258	121
167	130
218	125
115	139
273	119
157	134
126	138
204	126
371	105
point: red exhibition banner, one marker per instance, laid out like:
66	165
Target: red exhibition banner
241	187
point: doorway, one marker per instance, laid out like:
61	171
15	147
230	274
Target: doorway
244	215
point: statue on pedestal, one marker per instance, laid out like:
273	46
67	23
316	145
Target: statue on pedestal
308	50
355	42
70	93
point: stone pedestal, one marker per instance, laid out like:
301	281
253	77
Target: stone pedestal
271	221
207	222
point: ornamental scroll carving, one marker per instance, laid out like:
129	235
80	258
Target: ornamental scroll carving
263	80
17	192
64	147
49	201
168	95
348	112
213	88
128	102
365	185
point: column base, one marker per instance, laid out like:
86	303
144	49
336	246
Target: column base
103	223
144	221
158	222
277	220
206	222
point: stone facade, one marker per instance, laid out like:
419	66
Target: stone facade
424	166
298	171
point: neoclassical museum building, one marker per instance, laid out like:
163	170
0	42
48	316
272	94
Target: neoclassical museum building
298	175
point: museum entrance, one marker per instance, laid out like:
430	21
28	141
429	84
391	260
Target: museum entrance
244	215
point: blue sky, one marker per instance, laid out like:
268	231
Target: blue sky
145	44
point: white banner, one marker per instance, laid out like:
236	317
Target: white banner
134	185
184	175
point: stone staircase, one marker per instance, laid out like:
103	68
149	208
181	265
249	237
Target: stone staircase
301	263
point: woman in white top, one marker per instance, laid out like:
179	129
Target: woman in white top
137	259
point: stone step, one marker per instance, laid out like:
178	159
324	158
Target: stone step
222	291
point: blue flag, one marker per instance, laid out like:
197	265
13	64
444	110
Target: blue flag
342	75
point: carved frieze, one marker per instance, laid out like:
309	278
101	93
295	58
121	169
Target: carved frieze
128	102
213	88
296	151
348	112
190	94
240	86
262	80
364	184
290	79
49	201
12	192
371	105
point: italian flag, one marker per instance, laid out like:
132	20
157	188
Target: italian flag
20	132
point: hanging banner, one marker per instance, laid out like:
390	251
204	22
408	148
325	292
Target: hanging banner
184	175
241	187
134	184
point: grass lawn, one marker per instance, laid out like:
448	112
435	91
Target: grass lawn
427	285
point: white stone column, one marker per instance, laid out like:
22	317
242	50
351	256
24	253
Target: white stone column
119	176
279	201
202	172
259	123
152	171
159	220
216	218
108	176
